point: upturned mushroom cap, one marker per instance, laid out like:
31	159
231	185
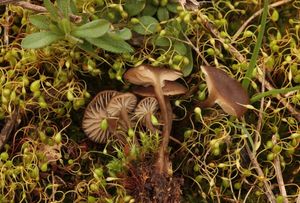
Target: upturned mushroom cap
171	88
225	91
123	101
148	75
148	105
144	110
120	105
95	113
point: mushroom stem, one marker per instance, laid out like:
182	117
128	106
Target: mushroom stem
125	117
162	162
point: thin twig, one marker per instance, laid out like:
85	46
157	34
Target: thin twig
260	172
37	8
30	6
3	2
260	115
41	9
278	174
279	3
11	123
6	30
196	49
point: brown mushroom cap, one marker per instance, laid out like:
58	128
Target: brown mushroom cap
126	100
147	75
225	91
171	88
148	105
121	105
144	110
95	113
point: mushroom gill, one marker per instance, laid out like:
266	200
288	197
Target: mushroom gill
145	109
95	114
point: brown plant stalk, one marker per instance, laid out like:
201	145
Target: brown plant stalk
261	175
37	8
278	173
4	2
10	125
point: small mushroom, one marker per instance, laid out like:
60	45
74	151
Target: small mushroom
225	91
146	108
156	77
120	106
95	115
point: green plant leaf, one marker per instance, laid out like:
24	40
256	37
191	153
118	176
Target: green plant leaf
162	41
93	29
55	28
258	96
147	25
173	28
187	69
149	10
134	7
162	14
180	48
40	21
40	39
64	6
172	7
124	34
65	25
111	43
54	13
86	46
73	7
252	64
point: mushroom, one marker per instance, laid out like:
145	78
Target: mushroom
156	77
225	91
120	105
171	88
144	110
95	115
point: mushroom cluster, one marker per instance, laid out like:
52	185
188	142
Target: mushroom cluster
111	110
160	83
